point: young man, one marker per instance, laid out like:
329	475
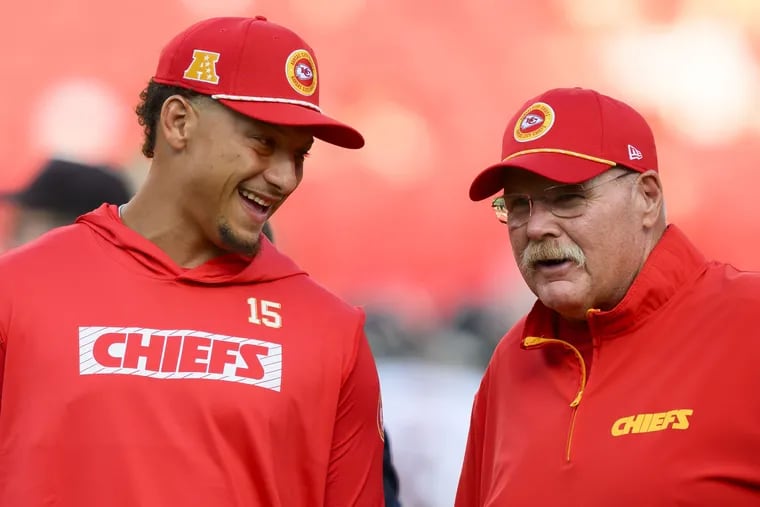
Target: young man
164	352
633	379
61	192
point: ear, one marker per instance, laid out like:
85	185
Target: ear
649	192
177	120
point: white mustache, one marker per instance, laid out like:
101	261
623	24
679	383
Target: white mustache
546	250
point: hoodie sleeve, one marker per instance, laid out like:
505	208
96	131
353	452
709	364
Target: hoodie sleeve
469	492
355	473
5	311
2	366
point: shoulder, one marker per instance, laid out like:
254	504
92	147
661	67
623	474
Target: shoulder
331	323
322	302
730	297
50	250
733	283
282	275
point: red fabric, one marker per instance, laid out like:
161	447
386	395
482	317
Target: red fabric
570	135
131	381
668	415
260	69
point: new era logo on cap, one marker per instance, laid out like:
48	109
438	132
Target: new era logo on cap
258	68
570	135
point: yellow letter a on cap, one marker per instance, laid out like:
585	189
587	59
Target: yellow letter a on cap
203	67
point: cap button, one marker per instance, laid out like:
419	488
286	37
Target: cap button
260	18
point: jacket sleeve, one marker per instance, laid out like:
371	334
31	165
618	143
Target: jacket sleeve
469	492
4	317
355	472
2	366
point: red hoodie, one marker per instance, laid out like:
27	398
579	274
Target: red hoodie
129	381
654	403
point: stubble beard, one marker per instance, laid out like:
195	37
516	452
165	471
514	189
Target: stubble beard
235	244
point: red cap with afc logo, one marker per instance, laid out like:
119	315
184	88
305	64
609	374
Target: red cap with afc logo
255	67
570	135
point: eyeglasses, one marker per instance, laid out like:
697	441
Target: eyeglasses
563	201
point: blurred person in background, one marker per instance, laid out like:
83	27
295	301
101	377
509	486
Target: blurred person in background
60	192
428	375
390	476
161	352
633	379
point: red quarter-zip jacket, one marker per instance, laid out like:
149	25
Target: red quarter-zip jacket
129	381
663	412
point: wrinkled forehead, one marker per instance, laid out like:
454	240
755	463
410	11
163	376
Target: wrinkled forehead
515	180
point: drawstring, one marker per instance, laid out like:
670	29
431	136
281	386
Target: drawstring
535	341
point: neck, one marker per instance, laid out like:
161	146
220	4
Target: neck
162	221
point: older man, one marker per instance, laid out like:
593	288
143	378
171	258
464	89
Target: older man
633	380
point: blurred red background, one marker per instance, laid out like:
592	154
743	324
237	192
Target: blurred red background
431	85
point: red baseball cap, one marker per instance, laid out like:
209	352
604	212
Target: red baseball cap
256	67
570	135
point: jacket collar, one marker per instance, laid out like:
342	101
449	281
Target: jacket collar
672	265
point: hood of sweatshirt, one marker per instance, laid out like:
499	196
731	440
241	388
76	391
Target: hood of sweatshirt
138	253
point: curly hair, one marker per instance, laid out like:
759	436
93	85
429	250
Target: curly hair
148	111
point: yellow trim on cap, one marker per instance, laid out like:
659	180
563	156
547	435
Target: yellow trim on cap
562	152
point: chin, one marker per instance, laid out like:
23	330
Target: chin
242	242
569	305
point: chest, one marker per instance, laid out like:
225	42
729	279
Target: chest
150	356
666	423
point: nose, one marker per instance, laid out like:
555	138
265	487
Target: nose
541	222
283	173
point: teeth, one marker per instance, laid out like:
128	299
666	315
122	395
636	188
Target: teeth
257	200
